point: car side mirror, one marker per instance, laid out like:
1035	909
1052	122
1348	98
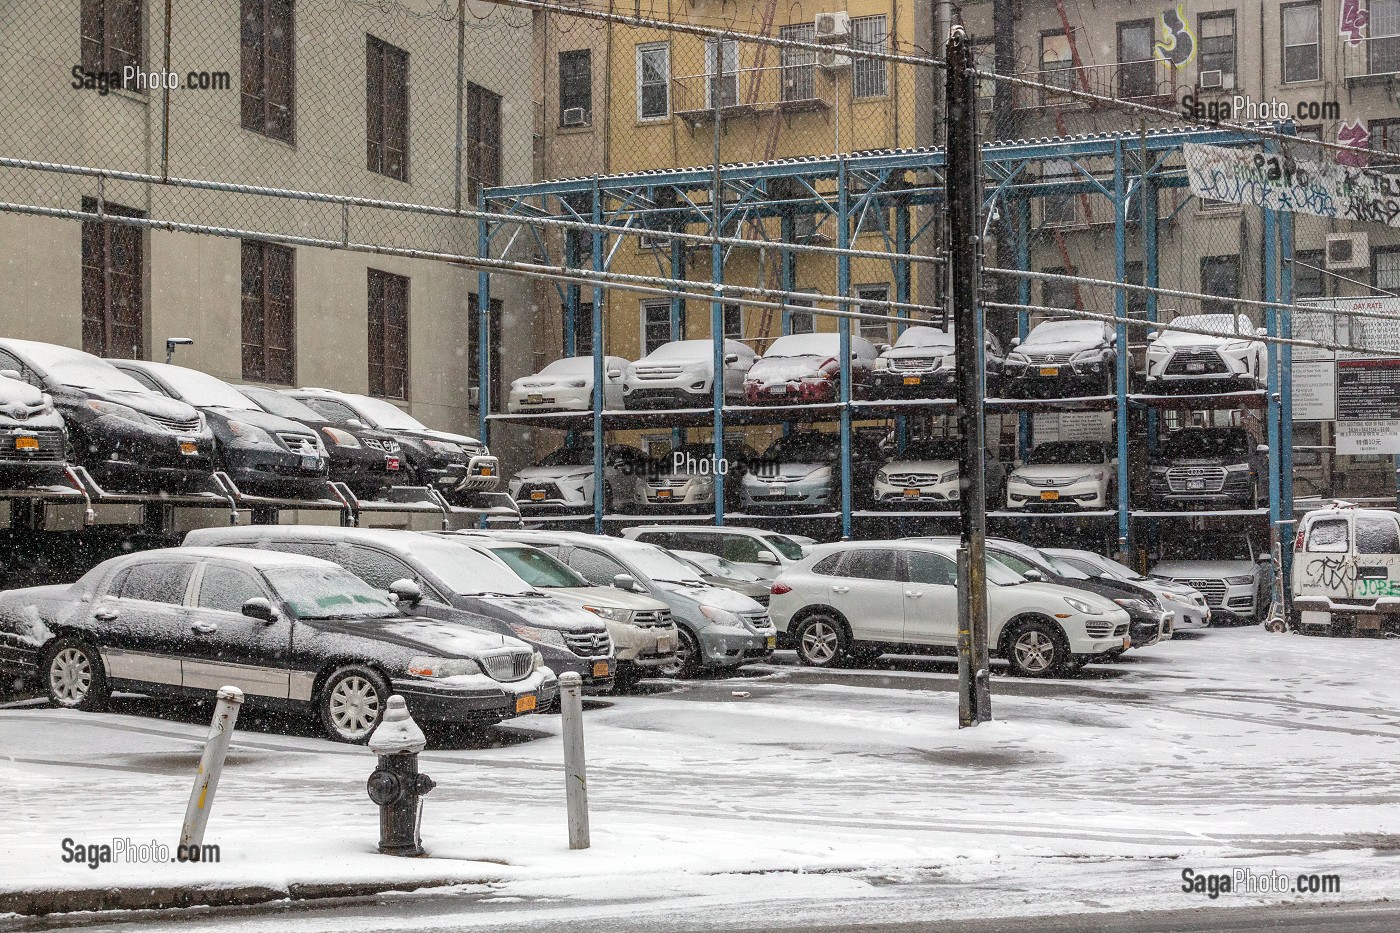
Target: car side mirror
1035	576
614	374
355	423
260	608
1261	449
767	557
1264	558
1015	341
407	591
1153	334
731	357
10	374
625	581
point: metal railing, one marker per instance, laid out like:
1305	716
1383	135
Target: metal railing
1374	57
1149	81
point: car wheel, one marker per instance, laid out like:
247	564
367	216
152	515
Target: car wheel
687	660
821	641
1036	649
352	703
75	677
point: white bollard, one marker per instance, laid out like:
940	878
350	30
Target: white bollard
211	765
575	778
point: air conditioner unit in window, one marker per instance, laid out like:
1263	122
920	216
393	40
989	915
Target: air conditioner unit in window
1348	251
832	61
473	397
574	116
1210	80
986	104
833	27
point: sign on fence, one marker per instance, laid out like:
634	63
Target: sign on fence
1301	186
1336	321
1368	406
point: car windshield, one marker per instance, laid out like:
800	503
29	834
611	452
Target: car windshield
925	337
1207	445
688	350
569	456
784	546
931	450
1206	547
804	345
1001	575
537	568
1066	569
78	369
1056	331
1057	452
279	403
466	571
801	448
570	366
328	593
1223	325
719	567
386	415
203	390
659	565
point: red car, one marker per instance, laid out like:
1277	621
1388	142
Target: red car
807	368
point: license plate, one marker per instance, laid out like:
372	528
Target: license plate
772	641
665	645
1049	370
600	669
1195	484
911	493
391	464
310	463
26	443
189	448
912	380
534	400
1195	367
1127	642
525	704
1049	496
777	490
487	471
777	390
537	495
663	493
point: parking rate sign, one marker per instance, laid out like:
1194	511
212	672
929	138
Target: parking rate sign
1368	406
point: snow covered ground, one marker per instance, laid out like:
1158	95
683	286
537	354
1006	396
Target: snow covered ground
838	798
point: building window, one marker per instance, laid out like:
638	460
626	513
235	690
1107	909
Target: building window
799	68
984	55
722	71
653	81
1386	263
388	334
582	334
656	325
801	322
1055	294
576	88
1383	45
870	76
1136	301
1220	276
1137	71
386	108
111	35
493	350
114	311
874	331
269	313
1056	62
1385	136
1302	42
483	139
1216	32
733	322
1058	210
267	87
1308	280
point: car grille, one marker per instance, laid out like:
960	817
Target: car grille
300	443
1183	363
1048	358
762	599
50	446
657	372
550	490
589	644
913	479
176	424
1212	590
1180	479
1098	629
1042	481
385	446
914	363
652	619
668	482
756	619
508	667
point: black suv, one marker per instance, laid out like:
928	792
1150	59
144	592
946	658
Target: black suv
1204	467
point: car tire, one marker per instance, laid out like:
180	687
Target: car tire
352	703
1037	649
74	677
821	641
687	661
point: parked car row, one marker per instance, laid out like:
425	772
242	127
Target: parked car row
138	426
1057	358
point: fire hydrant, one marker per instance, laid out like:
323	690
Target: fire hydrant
395	785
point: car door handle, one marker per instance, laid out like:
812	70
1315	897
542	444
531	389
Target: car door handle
840	589
913	594
106	615
204	628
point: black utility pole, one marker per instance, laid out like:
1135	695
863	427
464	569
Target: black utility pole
964	194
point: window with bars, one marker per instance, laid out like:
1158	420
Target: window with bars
386	108
483	119
582	332
1383	44
734	322
801	322
1302	41
1308	280
1136	301
1220	276
799	65
653	81
1137	71
874	331
493	350
269	313
1386	268
1216	32
388	334
110	35
1385	136
1056	294
656	325
113	284
576	87
267	86
722	72
1056	62
870	76
1058	210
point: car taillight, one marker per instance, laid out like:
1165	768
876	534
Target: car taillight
778	589
1298	540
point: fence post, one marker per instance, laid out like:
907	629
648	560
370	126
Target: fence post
575	778
211	765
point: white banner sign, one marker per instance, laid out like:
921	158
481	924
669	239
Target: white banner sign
1301	186
1073	426
1314	390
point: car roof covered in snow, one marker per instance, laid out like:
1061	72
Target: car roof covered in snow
243	555
823	344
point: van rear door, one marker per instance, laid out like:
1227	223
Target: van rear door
1324	568
1377	546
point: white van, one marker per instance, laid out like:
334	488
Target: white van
1346	571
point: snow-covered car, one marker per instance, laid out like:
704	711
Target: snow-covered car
716	628
1227	569
1060	358
803	471
567	385
685	479
1346	572
290	631
1205	467
563	480
922	364
33	440
857	600
762	553
1187	606
1178	354
927	475
807	368
1065	475
728	575
680	374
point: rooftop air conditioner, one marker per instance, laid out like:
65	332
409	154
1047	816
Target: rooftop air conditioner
1348	251
833	27
575	116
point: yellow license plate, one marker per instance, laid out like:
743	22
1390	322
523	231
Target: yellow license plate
487	471
537	495
911	493
600	669
1050	370
772	641
1049	496
911	380
525	704
1127	642
188	449
26	443
663	493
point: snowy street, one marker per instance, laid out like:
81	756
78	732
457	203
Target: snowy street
821	798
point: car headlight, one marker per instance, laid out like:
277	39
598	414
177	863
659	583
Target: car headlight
1130	603
722	616
544	636
1087	356
1087	478
612	615
538	660
1018	358
1236	346
1079	605
250	432
578	384
118	411
950	361
881	476
881	363
341	438
702	481
442	447
1236	467
948	477
820	474
443	667
1239	581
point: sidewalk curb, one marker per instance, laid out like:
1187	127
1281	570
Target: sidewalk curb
74	900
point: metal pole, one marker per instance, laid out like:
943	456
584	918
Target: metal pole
678	435
211	766
599	478
1273	411
461	85
1023	318
1120	365
575	770
964	205
716	280
483	338
843	327
903	293
165	103
1286	395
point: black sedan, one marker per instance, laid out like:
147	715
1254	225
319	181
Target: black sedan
366	460
263	454
126	436
289	631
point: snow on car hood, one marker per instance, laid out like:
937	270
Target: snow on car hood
446	438
445	639
1057	470
787	368
609	597
553	472
540	611
147	403
1222	328
920	466
719	598
918	352
790	469
1205	569
922	338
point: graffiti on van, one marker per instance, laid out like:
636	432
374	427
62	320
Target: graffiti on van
1376	586
1329	573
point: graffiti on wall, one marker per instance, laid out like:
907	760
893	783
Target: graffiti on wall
1353	22
1177	47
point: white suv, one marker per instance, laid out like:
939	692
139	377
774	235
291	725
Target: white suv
1232	351
1234	576
678	374
859	599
